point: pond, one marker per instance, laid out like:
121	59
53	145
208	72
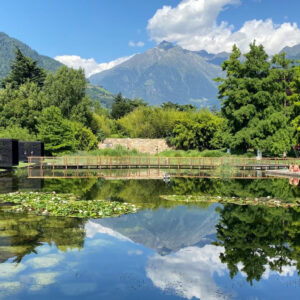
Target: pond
164	251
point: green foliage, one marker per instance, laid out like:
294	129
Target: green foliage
176	106
254	101
8	47
294	100
21	106
184	129
23	70
56	132
122	106
16	132
66	89
57	110
85	139
63	205
201	130
100	95
117	151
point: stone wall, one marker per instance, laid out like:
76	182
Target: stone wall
151	146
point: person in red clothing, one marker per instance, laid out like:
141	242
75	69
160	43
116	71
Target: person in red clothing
296	168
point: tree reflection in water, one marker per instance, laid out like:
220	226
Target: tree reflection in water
258	238
20	235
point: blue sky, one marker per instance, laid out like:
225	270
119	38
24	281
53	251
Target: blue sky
104	30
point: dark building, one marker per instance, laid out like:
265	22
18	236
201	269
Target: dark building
9	153
30	149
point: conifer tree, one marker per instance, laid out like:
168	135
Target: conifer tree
24	69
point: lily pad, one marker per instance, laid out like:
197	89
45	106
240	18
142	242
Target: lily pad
64	205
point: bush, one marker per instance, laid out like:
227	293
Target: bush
16	132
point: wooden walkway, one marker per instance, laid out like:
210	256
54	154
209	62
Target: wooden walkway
155	162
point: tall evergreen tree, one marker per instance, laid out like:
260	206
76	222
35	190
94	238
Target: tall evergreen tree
24	69
253	96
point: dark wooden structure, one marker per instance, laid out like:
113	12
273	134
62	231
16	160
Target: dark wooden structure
9	153
27	149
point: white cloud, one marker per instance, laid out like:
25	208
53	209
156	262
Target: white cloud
136	44
92	228
89	65
189	272
193	25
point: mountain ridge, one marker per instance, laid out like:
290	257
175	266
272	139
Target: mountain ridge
8	47
164	73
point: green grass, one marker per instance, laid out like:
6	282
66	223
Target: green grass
192	153
117	151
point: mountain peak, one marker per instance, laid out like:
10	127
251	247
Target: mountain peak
165	45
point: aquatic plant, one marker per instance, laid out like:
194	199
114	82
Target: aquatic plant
262	201
64	205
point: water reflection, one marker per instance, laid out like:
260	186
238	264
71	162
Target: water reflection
20	235
168	253
165	251
257	238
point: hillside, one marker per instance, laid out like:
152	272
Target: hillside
7	54
97	93
165	73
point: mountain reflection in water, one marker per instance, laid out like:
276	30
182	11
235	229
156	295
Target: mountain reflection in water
165	251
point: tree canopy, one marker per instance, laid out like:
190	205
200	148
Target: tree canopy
254	100
24	69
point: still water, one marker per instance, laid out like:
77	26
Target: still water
165	251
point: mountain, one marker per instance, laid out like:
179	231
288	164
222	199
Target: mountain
167	230
165	73
7	55
98	93
216	59
292	52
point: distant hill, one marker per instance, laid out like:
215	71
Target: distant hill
166	73
292	52
216	59
7	55
97	93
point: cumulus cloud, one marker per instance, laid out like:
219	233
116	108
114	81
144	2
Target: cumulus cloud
92	228
89	65
189	272
136	44
193	25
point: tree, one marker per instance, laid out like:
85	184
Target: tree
21	106
253	97
176	106
16	132
66	89
24	69
200	131
85	139
122	106
55	131
294	100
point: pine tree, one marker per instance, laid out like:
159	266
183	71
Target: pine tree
24	69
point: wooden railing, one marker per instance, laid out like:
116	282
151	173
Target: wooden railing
115	162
